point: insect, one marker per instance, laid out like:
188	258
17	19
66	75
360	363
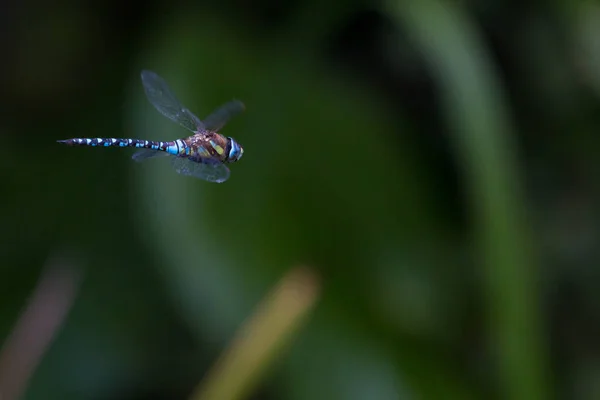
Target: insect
203	155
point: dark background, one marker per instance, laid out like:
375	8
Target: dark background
434	163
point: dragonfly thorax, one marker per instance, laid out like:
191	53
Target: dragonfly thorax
235	151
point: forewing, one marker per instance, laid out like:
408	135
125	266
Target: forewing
163	99
208	169
221	115
144	154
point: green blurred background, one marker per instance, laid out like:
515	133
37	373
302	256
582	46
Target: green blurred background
434	162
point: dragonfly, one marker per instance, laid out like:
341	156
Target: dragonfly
204	155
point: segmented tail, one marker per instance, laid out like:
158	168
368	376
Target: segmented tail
169	147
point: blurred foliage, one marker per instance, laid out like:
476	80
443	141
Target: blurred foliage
434	163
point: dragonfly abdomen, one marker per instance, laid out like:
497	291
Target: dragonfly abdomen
169	147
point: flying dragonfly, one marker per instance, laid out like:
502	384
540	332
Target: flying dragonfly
203	155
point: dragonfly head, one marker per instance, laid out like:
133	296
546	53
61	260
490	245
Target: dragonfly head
236	151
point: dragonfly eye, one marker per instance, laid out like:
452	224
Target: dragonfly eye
236	151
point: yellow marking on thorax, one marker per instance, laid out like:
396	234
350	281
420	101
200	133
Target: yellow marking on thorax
217	148
203	152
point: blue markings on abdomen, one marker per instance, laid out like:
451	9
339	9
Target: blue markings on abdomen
175	148
170	147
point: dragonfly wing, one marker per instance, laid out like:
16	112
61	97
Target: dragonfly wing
163	99
144	154
221	115
208	169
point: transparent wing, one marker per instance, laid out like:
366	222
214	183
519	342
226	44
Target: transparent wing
161	97
144	154
208	169
221	115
